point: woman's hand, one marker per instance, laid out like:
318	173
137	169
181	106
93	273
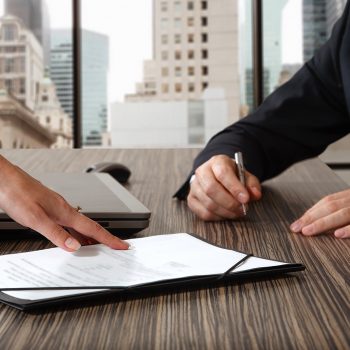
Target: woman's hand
33	205
330	214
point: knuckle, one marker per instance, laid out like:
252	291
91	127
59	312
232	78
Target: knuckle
331	206
209	189
345	213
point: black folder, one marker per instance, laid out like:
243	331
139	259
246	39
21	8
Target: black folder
234	274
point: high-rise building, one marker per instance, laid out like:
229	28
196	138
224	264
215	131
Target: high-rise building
195	47
95	54
21	61
35	16
314	26
334	10
61	68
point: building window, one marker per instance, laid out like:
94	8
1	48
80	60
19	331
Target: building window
48	120
190	21
164	39
22	86
165	72
204	54
44	98
190	54
22	64
204	5
190	38
190	5
178	87
205	70
9	32
165	88
190	71
164	23
9	85
204	21
177	38
178	71
9	65
177	23
164	6
164	55
204	86
191	87
178	6
204	37
178	55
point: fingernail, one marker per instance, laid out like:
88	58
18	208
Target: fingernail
256	191
295	226
339	233
242	198
72	244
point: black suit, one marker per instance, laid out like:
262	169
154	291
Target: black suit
299	120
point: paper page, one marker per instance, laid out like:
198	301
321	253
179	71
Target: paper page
151	259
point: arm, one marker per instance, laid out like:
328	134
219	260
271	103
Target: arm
35	206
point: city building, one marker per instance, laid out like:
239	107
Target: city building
168	123
61	68
35	16
195	47
95	61
50	114
19	127
314	26
21	61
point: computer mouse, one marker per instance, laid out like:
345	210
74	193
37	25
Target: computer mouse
118	171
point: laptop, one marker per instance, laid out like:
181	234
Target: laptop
99	196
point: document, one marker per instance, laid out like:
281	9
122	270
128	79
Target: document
53	273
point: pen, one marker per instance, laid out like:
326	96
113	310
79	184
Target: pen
241	174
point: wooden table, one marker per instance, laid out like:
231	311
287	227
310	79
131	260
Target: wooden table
308	311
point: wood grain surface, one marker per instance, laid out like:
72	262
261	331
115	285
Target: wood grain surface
308	310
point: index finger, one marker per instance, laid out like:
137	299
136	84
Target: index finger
92	229
225	173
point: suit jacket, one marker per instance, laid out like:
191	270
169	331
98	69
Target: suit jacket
297	121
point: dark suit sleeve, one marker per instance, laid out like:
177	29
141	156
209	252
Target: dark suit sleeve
298	121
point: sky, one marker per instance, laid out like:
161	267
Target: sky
129	27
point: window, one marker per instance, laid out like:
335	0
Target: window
190	54
9	65
164	39
164	24
178	6
22	86
191	87
204	37
204	21
178	23
165	55
205	70
48	120
164	6
178	87
190	38
21	64
165	88
9	32
204	86
44	98
205	54
165	71
190	21
204	5
190	5
178	71
191	71
177	39
178	55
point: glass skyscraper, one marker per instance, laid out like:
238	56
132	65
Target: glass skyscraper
95	62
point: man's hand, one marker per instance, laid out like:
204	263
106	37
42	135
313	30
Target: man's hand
216	192
35	206
330	214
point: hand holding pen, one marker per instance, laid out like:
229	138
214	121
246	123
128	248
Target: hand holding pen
241	175
217	192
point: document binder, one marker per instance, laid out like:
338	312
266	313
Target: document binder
188	268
